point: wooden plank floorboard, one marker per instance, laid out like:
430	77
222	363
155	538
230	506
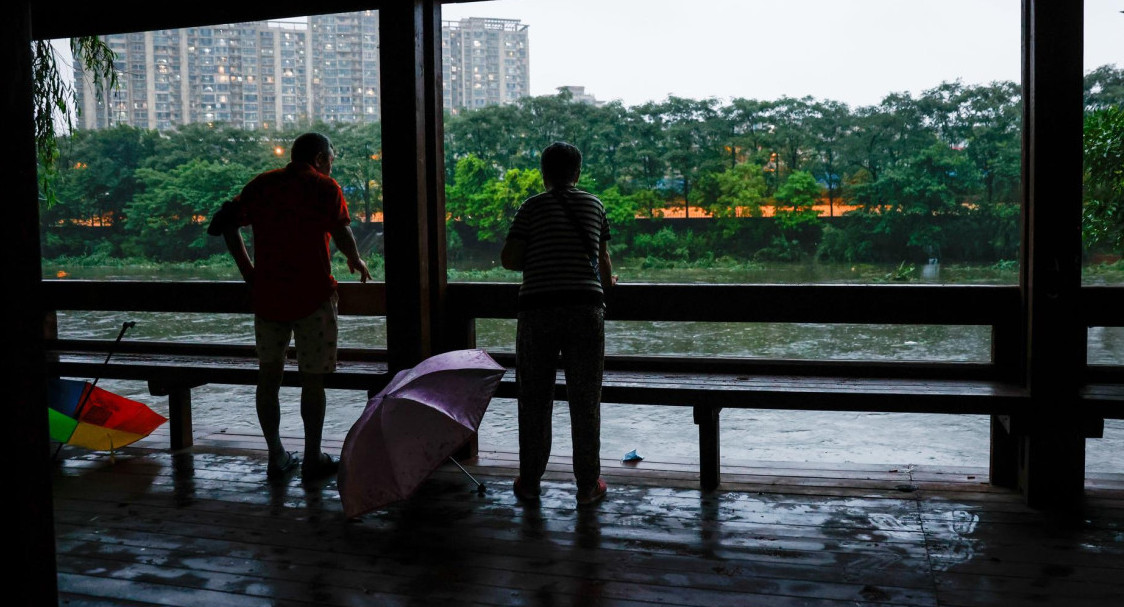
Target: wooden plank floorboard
133	516
203	527
504	572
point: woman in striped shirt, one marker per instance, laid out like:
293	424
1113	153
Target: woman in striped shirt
559	240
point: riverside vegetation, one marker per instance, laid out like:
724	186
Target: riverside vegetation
913	179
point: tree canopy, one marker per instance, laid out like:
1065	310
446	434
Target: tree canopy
933	172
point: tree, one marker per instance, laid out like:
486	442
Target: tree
55	98
937	181
801	192
619	209
747	130
358	166
167	220
739	187
644	163
483	202
1104	88
222	143
96	176
791	136
502	198
693	135
828	125
1103	216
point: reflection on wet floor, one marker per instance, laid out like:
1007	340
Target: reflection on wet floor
203	526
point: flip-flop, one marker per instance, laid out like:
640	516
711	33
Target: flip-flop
594	496
279	471
324	467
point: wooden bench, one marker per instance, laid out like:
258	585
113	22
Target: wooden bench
707	385
173	369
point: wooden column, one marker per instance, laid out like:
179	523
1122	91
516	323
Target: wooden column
1051	449
412	175
32	557
443	338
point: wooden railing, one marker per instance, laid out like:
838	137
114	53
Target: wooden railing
988	387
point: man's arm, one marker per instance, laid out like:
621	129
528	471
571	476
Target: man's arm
225	224
345	242
237	247
512	255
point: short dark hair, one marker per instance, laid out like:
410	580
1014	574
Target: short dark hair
309	145
561	163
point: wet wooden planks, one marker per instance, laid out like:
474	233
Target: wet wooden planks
201	527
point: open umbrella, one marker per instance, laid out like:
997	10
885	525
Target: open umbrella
84	415
412	426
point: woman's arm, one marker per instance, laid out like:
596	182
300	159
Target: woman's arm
512	255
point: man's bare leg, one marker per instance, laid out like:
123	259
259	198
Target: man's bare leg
313	405
268	403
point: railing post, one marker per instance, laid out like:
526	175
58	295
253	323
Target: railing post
1006	343
709	448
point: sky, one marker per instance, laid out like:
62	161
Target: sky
854	51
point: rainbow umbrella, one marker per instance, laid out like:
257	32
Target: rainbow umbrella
84	415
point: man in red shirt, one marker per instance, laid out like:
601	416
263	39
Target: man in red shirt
294	212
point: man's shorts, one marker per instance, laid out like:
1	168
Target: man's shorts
316	337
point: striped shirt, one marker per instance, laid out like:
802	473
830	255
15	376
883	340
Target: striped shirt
559	261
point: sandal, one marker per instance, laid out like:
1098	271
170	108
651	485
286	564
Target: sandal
522	494
322	468
594	496
276	472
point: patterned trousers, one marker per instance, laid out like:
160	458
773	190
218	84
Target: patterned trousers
578	334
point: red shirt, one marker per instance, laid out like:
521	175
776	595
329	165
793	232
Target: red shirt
292	212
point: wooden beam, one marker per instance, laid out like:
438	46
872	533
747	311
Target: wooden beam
820	303
32	559
233	297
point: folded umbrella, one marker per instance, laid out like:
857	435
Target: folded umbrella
412	426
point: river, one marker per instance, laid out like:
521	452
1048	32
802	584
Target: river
747	435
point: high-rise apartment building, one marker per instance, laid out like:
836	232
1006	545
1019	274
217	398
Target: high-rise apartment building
283	74
484	62
254	75
345	66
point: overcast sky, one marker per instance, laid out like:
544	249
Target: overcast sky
853	51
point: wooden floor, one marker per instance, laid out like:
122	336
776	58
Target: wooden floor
202	527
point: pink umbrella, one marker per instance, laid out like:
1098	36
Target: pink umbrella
412	426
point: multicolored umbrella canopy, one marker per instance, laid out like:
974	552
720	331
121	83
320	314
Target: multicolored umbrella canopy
84	415
412	426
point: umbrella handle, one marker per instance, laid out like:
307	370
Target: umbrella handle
480	488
